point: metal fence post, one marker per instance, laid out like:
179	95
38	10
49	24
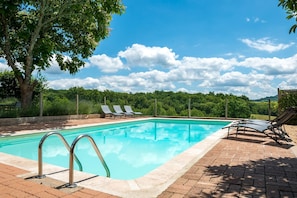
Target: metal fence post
226	108
41	104
77	103
189	107
269	109
155	112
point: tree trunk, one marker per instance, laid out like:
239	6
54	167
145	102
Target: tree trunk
26	95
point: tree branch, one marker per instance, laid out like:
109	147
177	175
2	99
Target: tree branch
34	37
7	51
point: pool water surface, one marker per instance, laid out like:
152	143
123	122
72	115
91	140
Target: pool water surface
130	149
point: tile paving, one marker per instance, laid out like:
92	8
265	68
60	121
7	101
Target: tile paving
249	165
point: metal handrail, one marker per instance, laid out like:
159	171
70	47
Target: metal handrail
40	174
71	183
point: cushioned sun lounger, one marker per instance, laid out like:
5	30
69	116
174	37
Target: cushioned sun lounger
107	111
273	129
128	109
118	109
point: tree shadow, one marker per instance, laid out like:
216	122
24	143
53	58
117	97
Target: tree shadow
12	129
267	177
270	177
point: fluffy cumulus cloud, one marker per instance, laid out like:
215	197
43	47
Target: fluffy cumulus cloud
254	77
232	79
140	82
265	44
145	69
143	56
253	84
88	83
107	64
3	65
54	68
271	66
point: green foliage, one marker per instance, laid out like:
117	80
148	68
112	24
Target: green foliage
287	99
196	113
271	98
8	108
262	108
63	102
291	9
8	85
7	101
29	112
59	106
261	117
35	32
85	107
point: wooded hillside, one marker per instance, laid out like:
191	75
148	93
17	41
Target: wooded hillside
168	103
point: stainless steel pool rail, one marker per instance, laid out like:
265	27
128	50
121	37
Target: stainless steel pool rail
40	171
71	183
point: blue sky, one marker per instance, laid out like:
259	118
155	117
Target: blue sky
242	47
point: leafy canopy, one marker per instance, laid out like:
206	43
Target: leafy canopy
291	9
33	32
41	29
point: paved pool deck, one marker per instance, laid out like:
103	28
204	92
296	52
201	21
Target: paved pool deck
249	165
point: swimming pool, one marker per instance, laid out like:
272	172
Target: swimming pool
150	185
130	149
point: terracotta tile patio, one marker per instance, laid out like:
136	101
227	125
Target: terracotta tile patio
249	165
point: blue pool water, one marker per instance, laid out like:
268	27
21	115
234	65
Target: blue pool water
130	149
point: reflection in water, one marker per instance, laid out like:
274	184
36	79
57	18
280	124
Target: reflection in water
130	150
55	151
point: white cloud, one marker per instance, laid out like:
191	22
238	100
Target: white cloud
271	66
265	44
54	68
212	63
191	69
253	84
141	82
255	20
233	79
143	56
107	64
3	65
289	81
288	85
254	77
88	83
154	75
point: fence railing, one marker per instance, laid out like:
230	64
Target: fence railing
156	105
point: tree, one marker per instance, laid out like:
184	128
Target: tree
291	9
34	32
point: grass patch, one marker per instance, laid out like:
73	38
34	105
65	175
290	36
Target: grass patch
261	117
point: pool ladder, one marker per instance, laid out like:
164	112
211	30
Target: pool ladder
71	155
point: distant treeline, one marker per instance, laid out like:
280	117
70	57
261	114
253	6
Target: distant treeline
168	103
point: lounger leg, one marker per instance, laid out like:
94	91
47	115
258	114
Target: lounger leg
228	132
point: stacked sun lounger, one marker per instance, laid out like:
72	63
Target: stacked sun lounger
106	110
128	109
274	129
118	111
